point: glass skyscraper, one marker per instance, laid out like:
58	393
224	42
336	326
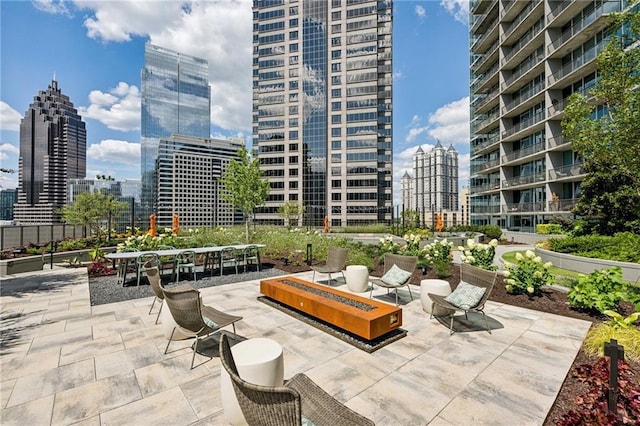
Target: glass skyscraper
53	149
322	87
176	99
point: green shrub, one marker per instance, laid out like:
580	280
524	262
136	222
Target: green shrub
622	247
600	291
548	228
491	231
480	255
527	275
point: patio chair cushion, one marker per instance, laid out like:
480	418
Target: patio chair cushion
209	322
396	276
466	295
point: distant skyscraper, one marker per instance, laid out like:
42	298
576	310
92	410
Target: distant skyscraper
189	172
434	187
322	121
53	149
176	99
8	197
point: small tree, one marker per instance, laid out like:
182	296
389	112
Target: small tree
605	131
411	219
291	212
92	209
245	187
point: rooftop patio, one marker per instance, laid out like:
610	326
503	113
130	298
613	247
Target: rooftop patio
63	361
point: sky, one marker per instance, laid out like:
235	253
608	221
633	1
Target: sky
95	50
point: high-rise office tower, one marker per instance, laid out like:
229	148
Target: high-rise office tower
176	99
527	57
53	149
322	122
189	173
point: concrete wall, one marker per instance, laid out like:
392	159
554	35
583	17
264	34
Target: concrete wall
586	265
526	237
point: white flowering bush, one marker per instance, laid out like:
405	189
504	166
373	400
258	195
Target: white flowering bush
439	254
527	275
480	255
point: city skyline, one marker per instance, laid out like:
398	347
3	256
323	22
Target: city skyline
100	71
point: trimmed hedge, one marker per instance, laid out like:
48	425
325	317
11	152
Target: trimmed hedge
622	247
548	228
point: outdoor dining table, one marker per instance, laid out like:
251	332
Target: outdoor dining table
132	255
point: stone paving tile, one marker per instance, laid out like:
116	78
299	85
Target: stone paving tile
485	403
474	360
85	350
399	400
37	412
29	364
126	360
203	394
446	378
49	382
169	407
58	340
94	398
105	329
339	379
169	373
375	365
142	336
6	386
90	320
215	419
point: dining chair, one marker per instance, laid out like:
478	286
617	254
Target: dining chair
210	259
228	257
141	260
185	260
251	254
167	260
123	265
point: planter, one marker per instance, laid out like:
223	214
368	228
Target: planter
20	265
586	265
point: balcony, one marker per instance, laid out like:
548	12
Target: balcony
586	27
562	205
492	96
558	9
519	19
495	186
484	78
482	19
523	124
526	67
565	172
485	209
520	100
557	141
517	49
523	180
577	63
484	60
523	207
486	165
479	126
483	42
522	154
486	145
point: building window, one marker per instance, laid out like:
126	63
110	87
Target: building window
293	134
336	132
336	119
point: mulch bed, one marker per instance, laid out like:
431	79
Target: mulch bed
550	300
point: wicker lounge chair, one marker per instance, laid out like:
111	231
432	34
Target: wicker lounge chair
406	263
193	318
285	405
336	261
474	276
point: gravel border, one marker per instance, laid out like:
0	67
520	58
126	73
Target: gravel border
104	289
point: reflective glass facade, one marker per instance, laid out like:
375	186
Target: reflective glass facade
53	149
176	99
322	92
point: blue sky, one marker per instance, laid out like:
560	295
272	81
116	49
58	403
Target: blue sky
96	52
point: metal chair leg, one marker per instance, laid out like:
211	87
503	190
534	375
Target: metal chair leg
170	338
159	310
195	349
151	308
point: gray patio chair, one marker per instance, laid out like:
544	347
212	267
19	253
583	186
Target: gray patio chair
141	260
185	260
210	259
336	261
228	257
194	319
405	263
167	260
286	405
251	254
472	275
123	265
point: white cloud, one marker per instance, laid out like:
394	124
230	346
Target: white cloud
450	123
119	109
52	6
397	75
7	147
459	9
9	118
115	151
420	12
219	31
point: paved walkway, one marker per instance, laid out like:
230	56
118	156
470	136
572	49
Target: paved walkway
65	362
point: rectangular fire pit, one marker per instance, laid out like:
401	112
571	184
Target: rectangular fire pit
363	317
